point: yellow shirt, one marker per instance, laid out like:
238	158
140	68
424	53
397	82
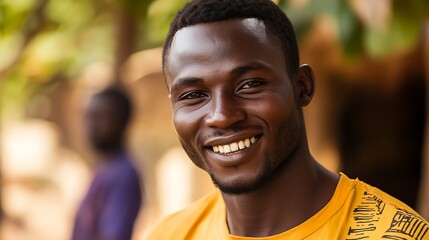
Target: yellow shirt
356	211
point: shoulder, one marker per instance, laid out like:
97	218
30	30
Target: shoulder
118	176
122	169
178	225
379	215
369	193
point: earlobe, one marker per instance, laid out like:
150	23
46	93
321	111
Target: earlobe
305	84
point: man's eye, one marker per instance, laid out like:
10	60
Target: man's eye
192	95
252	84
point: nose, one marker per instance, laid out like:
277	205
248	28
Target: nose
225	111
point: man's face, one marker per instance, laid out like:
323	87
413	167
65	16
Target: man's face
104	127
234	107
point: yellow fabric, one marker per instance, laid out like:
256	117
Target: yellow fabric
356	211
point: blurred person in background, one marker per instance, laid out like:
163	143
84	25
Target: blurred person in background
112	203
237	92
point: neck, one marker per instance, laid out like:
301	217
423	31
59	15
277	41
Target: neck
301	190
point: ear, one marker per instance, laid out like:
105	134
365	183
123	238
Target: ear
305	84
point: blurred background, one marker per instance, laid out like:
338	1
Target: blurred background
369	118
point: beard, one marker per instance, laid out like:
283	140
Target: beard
273	162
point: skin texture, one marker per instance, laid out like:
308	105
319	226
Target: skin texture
228	82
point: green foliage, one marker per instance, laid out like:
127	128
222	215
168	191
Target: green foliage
157	23
403	32
41	39
357	39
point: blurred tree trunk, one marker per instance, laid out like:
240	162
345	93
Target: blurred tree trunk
126	33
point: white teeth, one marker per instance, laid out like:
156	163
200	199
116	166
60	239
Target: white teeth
247	143
226	149
235	146
221	149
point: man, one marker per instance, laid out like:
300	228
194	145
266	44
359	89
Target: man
112	202
237	93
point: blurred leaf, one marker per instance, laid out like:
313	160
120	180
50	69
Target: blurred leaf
353	47
347	22
356	39
160	14
13	15
302	18
401	35
70	15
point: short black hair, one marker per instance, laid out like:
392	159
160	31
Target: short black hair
207	11
121	100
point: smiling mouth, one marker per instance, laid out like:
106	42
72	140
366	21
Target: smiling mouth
234	146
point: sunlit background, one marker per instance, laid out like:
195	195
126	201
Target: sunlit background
368	118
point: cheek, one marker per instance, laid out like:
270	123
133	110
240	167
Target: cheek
275	109
186	124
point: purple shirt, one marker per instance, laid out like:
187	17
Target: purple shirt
111	204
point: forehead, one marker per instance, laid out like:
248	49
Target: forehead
234	28
212	42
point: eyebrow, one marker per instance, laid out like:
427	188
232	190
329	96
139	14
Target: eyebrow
185	81
252	66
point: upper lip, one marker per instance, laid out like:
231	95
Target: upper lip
227	139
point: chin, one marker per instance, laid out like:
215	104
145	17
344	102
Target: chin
250	183
240	186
